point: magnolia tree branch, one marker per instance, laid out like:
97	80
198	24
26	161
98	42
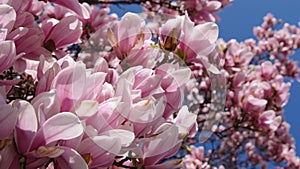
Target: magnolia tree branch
166	4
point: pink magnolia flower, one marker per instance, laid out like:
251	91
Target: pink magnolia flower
18	5
7	55
106	117
202	11
30	42
61	33
75	6
35	7
55	11
46	78
152	149
19	26
104	147
282	89
195	43
46	105
55	78
48	69
35	139
106	133
238	56
8	117
253	104
74	84
8	49
7	19
186	122
173	80
267	70
143	93
124	37
270	120
137	88
195	159
165	144
99	18
145	56
101	65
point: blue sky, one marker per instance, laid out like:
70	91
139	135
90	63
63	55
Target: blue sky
237	22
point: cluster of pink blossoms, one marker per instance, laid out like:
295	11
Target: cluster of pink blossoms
252	131
117	104
200	11
81	89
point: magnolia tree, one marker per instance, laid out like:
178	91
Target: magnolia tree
82	88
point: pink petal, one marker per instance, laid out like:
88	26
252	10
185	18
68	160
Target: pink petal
20	65
149	85
9	157
163	142
186	121
46	103
3	34
141	75
267	116
62	126
66	32
7	55
181	76
16	4
276	123
94	86
46	80
187	23
102	148
48	24
86	108
7	17
75	6
71	159
213	5
169	26
105	117
126	137
8	119
26	126
209	30
127	33
256	104
70	85
146	111
238	79
267	69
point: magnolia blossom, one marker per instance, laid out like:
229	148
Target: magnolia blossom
133	45
35	137
195	43
137	108
81	89
78	8
8	49
58	33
